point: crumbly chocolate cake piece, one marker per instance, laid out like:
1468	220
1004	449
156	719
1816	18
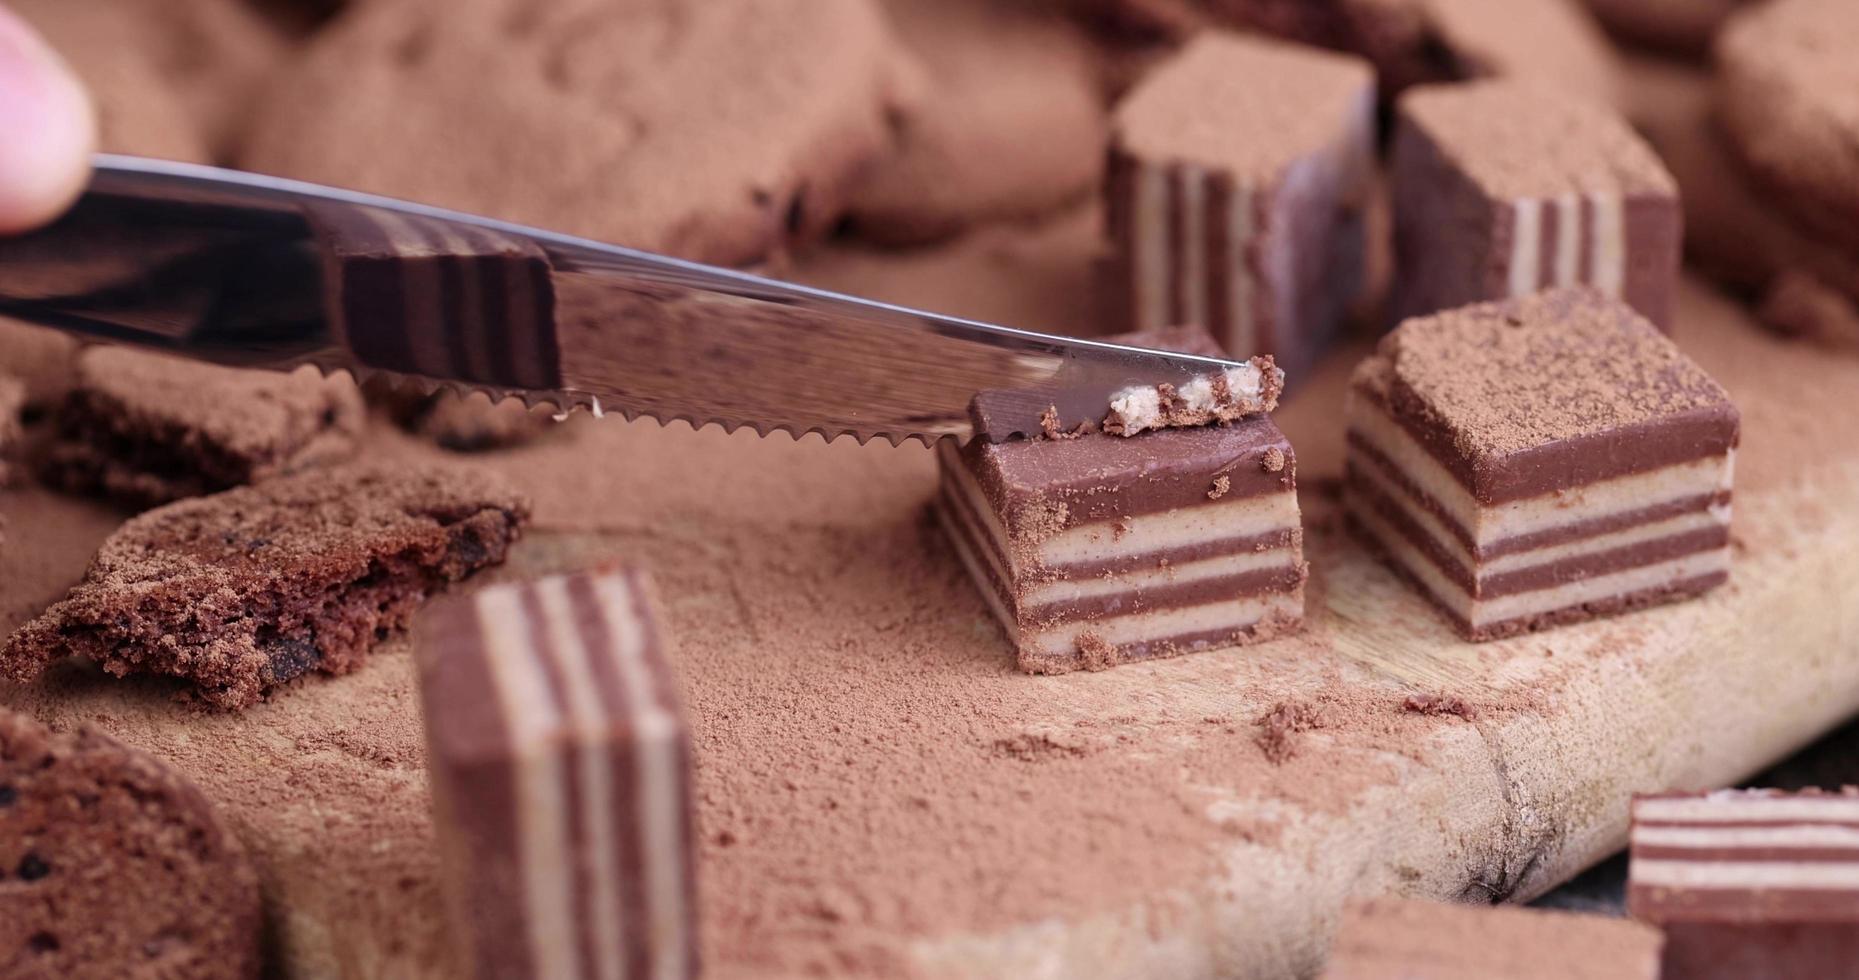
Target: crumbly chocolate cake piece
12	403
237	593
113	865
1100	550
1541	461
721	131
45	360
1788	96
473	423
1009	125
1410	42
1502	189
1403	939
1240	170
561	770
145	429
1749	883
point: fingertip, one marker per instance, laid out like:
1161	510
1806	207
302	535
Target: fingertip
50	129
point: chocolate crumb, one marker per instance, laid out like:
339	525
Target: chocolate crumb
1051	428
1222	484
1272	460
1279	728
1096	652
1439	704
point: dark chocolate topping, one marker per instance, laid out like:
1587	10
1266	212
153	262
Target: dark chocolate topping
1101	478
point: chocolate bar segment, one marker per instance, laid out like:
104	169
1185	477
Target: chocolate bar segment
1239	171
1749	883
1095	550
561	779
1402	939
1502	189
440	299
1541	461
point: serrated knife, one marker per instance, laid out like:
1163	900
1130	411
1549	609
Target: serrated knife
257	271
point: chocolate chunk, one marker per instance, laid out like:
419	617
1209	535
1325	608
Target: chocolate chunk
1788	97
146	429
1749	883
1239	171
116	866
1396	939
1101	550
236	593
561	779
1503	189
1541	461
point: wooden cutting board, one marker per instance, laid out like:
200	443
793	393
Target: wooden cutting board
881	794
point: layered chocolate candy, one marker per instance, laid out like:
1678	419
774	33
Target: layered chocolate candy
1404	939
1541	461
561	779
1239	171
1749	883
1502	189
1095	549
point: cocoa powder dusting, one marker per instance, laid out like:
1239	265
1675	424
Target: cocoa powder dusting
1439	704
1279	728
1221	485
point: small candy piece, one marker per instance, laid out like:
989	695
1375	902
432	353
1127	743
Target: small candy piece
1541	461
1099	550
1502	189
561	779
237	593
113	865
145	429
1749	883
1410	939
1239	172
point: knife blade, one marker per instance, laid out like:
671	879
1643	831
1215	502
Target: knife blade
258	271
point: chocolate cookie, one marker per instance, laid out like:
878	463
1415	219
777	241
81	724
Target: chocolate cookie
1011	124
717	131
171	79
144	429
1411	41
237	593
1788	96
112	865
1678	26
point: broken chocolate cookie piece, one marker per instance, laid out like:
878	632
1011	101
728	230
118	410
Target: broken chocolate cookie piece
113	865
237	593
1541	461
145	429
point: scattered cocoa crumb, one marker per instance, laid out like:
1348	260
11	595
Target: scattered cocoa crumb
1279	728
1439	704
1221	485
1036	747
1050	428
1273	460
1095	652
1119	528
